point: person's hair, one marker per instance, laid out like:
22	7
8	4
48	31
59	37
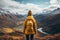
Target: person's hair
29	13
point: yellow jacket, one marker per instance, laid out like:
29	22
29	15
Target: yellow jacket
33	28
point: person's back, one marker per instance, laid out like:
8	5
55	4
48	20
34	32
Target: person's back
29	25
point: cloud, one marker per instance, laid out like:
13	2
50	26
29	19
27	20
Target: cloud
55	2
8	3
21	8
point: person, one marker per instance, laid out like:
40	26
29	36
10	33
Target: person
29	26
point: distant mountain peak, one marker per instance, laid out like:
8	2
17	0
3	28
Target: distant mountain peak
58	9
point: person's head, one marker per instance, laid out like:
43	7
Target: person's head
29	13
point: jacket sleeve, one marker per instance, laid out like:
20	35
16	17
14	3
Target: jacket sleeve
24	26
35	26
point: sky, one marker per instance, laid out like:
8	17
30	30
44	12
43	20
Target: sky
23	6
37	2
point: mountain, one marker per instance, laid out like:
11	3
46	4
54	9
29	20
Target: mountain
45	19
50	22
55	11
10	20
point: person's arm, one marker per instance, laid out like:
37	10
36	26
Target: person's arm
35	26
24	26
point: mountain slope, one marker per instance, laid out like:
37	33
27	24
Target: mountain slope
49	21
9	20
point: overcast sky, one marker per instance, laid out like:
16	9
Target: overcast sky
22	6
